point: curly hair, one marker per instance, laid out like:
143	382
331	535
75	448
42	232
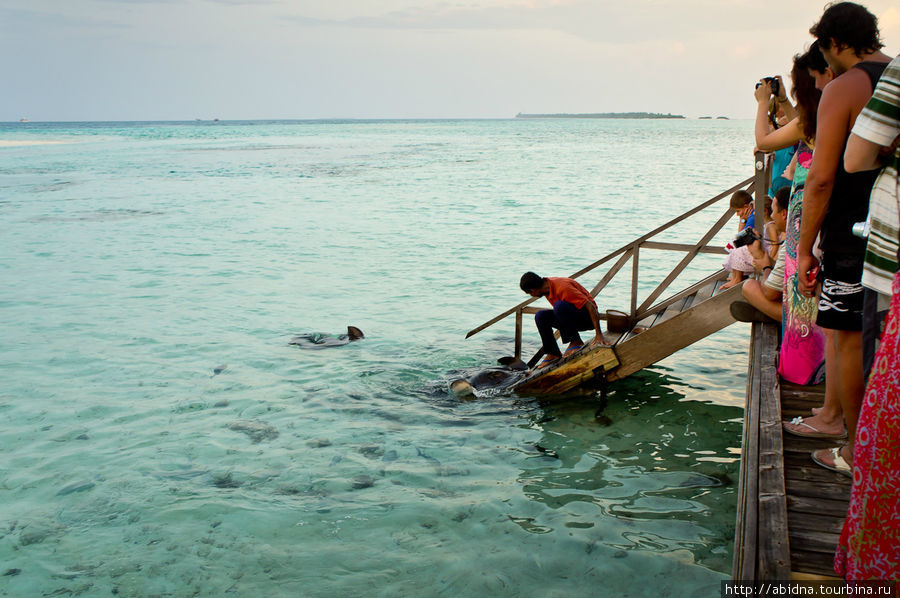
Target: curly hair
848	24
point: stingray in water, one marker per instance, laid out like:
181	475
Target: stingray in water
494	379
317	340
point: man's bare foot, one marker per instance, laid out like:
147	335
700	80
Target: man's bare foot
548	360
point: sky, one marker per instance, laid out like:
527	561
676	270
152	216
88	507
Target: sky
89	60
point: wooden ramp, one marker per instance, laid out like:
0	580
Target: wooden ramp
682	320
790	510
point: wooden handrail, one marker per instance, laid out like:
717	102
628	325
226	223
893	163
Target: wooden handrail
686	260
631	250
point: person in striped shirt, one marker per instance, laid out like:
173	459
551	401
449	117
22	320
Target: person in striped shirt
873	145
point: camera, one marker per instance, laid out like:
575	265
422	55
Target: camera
773	85
745	237
861	229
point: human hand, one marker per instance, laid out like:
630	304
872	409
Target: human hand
598	340
763	91
761	262
807	269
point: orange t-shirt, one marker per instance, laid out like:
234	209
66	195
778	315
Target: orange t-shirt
566	289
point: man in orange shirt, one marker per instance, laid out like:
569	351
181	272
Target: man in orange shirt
573	309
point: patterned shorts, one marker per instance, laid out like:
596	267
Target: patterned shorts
841	301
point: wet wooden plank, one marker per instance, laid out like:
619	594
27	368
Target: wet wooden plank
816	563
569	373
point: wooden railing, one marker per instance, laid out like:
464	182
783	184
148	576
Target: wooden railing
632	251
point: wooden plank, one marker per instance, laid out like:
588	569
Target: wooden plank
643	325
671	311
691	290
816	563
663	339
611	273
660	289
818	505
713	249
569	373
795	487
774	547
635	255
815	541
746	529
816	522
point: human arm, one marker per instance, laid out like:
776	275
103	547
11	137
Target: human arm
595	320
875	133
782	101
785	136
833	123
861	154
791	168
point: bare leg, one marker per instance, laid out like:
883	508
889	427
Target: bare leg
829	418
755	296
848	344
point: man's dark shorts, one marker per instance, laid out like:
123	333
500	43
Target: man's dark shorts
841	301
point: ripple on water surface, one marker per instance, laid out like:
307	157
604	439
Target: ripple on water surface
162	438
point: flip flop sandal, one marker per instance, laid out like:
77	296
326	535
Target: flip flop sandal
840	466
573	350
813	432
550	359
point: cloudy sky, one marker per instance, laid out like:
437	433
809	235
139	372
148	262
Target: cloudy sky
254	59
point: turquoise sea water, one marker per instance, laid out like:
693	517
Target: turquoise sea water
139	260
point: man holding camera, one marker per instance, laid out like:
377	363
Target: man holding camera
834	201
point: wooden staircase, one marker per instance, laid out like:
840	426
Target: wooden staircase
688	317
657	328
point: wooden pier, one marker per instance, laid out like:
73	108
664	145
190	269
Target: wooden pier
790	510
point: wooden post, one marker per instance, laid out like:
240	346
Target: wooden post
635	250
518	350
760	191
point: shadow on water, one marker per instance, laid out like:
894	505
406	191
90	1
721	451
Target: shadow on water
647	469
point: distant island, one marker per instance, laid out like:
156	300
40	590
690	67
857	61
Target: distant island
602	115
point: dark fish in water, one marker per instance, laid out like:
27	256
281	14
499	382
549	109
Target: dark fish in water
496	378
317	340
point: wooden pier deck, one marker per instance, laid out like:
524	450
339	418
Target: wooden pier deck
790	510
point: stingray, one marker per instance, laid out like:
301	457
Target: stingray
495	378
318	340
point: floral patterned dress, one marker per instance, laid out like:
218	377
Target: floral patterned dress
869	547
802	359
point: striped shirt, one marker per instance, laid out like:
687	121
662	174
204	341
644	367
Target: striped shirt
879	122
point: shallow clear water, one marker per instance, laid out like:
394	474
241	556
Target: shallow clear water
138	260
